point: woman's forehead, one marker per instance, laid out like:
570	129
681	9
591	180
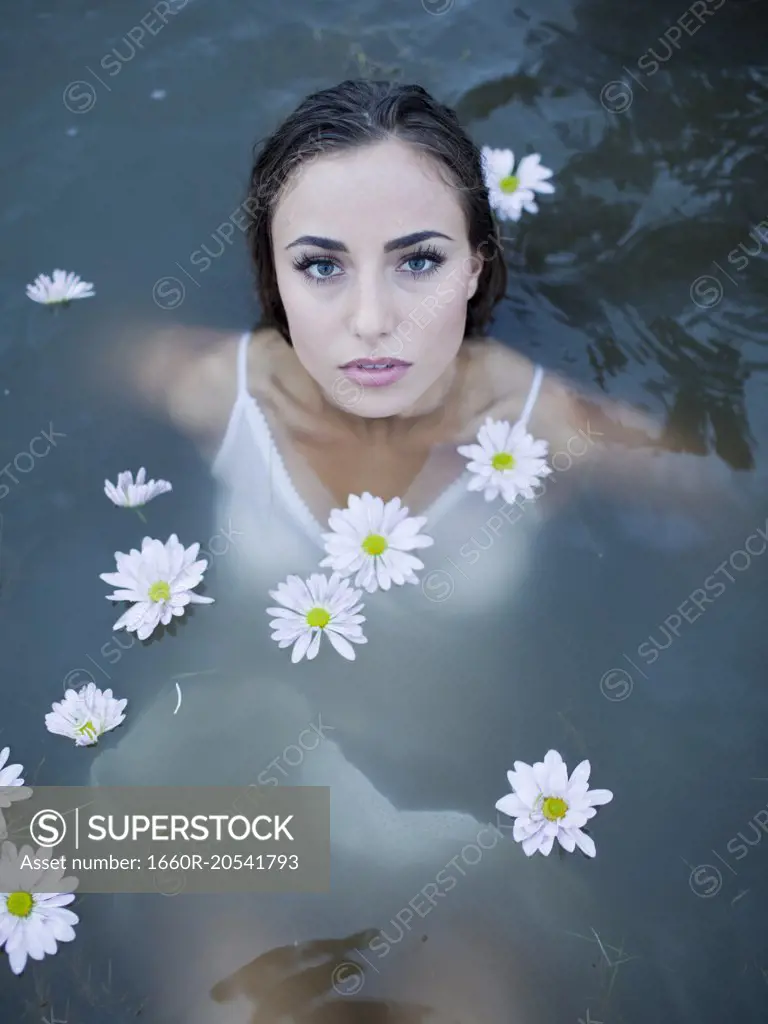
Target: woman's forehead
377	191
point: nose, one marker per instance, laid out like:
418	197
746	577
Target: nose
372	316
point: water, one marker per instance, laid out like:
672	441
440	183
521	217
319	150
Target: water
643	278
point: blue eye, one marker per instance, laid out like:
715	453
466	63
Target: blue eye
304	264
321	268
427	255
418	259
320	264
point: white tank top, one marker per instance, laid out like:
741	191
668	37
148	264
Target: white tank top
278	534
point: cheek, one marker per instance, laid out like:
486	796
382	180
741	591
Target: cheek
293	294
304	315
449	310
308	307
441	339
433	325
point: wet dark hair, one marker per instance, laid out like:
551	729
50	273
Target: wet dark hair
359	113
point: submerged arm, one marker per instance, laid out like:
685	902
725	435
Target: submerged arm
621	451
185	375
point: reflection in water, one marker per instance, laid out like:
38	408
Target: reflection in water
708	404
664	230
289	985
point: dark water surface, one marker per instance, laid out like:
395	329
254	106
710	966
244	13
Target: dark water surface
642	278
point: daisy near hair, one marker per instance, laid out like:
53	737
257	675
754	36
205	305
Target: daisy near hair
159	580
506	460
85	715
510	190
549	806
60	290
313	608
372	540
128	493
33	914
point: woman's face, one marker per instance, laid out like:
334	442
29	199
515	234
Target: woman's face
375	270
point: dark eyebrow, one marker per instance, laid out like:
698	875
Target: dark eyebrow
396	243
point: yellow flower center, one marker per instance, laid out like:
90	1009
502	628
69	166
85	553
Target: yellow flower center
509	184
88	729
375	544
554	808
503	460
318	618
20	904
160	591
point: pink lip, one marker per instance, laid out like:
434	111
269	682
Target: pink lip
358	372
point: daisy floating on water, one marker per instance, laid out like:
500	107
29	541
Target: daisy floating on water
129	494
511	191
60	290
505	460
373	540
33	914
10	776
160	579
85	715
315	607
547	805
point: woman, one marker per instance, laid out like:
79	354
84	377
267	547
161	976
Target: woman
370	166
378	267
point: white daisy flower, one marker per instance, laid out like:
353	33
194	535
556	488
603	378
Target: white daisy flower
63	288
547	805
10	777
10	774
511	191
85	715
505	460
128	494
33	917
315	607
373	539
160	580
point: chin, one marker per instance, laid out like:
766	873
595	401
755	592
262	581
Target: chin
381	406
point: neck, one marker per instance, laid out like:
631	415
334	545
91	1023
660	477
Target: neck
305	406
422	418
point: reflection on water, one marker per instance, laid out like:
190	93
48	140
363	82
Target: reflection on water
289	982
642	278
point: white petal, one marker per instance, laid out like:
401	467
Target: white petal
547	842
523	781
301	646
584	842
566	840
341	645
532	844
17	958
595	797
524	827
314	644
512	805
580	775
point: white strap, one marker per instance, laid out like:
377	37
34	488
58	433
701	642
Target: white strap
533	394
242	364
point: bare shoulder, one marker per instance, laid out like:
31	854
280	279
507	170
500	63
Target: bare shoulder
189	374
628	452
503	381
